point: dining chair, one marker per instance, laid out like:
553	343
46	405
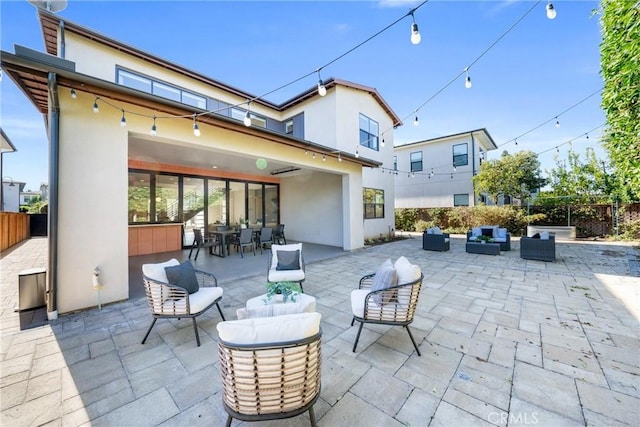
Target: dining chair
278	235
265	237
199	241
245	239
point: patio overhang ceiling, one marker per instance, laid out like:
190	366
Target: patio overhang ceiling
30	71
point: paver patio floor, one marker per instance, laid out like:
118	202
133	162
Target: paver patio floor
504	341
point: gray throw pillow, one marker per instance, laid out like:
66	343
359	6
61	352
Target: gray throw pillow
288	260
385	277
183	275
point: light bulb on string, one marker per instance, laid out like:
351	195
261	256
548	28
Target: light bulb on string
153	131
324	158
247	119
123	120
551	11
196	128
415	34
313	155
339	157
467	80
74	95
357	153
557	149
95	106
383	141
415	121
322	91
516	141
557	123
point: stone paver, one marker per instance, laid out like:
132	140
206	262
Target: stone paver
504	342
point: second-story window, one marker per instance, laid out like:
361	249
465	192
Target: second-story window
368	132
288	127
416	161
460	155
165	90
395	163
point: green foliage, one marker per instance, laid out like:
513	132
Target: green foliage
630	230
575	180
516	175
422	225
620	69
405	219
286	289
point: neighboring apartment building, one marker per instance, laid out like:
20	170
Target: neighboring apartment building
439	172
309	162
6	146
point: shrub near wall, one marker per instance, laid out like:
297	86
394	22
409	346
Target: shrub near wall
461	219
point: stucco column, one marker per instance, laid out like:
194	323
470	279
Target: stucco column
352	215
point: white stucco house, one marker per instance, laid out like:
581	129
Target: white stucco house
307	161
439	172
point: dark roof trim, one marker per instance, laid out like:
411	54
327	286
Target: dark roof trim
469	132
7	145
50	23
31	76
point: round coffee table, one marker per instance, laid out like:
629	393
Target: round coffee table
257	307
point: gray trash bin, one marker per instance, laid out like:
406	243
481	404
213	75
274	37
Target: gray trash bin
31	288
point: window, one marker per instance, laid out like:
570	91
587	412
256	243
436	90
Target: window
395	163
165	90
368	132
460	200
288	127
139	197
460	155
373	203
416	161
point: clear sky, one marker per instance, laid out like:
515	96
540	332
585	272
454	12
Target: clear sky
535	72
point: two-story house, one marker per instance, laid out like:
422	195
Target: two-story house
142	150
439	172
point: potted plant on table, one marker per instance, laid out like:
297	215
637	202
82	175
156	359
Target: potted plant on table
484	239
286	289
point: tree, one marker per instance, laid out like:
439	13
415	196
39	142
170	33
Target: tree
512	175
620	69
579	181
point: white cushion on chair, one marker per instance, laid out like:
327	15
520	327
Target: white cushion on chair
406	271
285	275
358	297
203	298
157	272
289	327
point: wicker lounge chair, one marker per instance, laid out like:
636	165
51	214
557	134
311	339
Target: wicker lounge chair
286	264
538	249
172	301
395	305
270	366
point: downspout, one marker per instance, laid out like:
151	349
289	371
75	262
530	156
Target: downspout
473	167
61	51
54	159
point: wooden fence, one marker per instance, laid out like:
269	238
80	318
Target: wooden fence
14	228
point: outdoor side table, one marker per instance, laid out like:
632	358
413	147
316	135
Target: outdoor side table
32	288
483	248
256	306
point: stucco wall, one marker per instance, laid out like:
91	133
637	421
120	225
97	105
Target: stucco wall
92	205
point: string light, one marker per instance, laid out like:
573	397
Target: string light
123	120
322	91
339	157
153	131
95	106
415	121
313	155
516	141
383	142
357	153
415	34
557	122
196	128
324	158
74	95
467	81
551	11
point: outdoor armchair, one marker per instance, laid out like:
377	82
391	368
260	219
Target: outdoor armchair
538	249
388	297
286	264
435	240
172	292
270	367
